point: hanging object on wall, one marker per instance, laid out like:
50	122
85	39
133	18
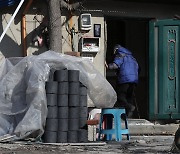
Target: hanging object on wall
97	30
89	44
85	21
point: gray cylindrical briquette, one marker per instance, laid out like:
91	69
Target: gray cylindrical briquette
83	112
62	137
74	100
73	124
72	136
51	87
62	100
73	112
50	137
82	123
51	99
63	88
51	125
61	75
63	112
74	88
73	75
83	135
62	124
52	112
83	90
83	101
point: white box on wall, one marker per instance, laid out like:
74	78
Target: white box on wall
90	44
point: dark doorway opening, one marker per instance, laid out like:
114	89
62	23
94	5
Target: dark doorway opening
132	33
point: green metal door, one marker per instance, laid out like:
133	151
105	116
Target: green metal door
164	61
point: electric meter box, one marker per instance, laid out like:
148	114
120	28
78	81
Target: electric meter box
89	44
85	21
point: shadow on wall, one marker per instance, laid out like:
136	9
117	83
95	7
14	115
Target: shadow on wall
8	46
38	38
11	45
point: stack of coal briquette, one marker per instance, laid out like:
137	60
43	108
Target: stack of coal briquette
67	108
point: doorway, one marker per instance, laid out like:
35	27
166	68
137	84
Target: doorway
133	34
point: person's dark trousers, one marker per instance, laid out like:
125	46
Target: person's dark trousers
125	96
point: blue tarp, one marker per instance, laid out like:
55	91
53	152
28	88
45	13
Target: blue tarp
4	3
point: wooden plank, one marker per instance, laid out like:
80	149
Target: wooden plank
76	54
92	122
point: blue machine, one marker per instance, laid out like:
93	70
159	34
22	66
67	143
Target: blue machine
4	3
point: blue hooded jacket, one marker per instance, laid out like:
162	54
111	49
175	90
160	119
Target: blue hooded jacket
127	66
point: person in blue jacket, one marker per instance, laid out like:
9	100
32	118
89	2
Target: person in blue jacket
127	73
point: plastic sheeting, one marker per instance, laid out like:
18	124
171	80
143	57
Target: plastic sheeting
23	105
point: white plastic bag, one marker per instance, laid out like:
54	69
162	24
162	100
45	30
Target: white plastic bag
23	95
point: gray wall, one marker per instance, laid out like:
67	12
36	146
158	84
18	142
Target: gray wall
11	44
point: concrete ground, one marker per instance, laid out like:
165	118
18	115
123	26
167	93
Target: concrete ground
137	144
145	137
145	127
